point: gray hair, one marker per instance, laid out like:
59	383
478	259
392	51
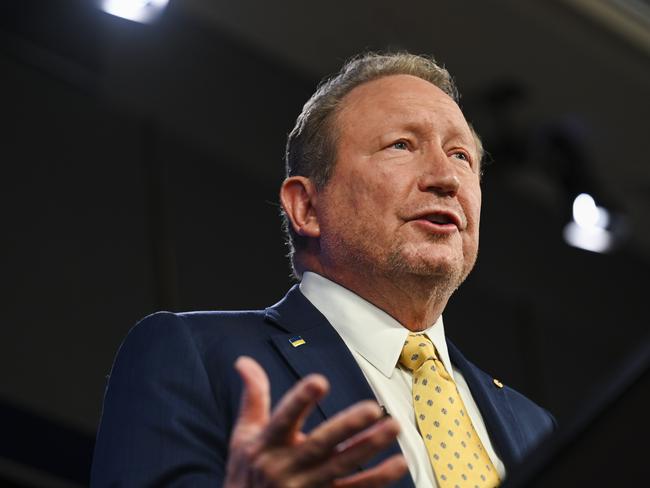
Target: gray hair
311	145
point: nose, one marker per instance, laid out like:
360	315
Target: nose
439	176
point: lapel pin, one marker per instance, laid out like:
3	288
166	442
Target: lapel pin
297	341
497	383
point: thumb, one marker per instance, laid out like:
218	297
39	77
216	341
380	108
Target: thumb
255	401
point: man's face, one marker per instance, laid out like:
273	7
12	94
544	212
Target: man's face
404	197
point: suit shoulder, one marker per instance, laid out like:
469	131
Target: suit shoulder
200	321
204	328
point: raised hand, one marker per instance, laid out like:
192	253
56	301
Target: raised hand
270	450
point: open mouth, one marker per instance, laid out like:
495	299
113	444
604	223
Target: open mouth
440	219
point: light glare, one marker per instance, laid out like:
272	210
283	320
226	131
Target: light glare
585	212
592	239
137	10
589	227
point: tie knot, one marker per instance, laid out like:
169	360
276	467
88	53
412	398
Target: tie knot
417	349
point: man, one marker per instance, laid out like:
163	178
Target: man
382	206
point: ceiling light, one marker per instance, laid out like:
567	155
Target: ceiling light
137	10
589	228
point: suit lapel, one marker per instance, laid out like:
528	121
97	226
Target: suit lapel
495	409
325	353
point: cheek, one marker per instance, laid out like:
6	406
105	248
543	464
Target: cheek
476	212
368	195
473	204
472	209
350	205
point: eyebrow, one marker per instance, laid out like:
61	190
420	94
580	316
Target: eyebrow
467	138
457	134
419	127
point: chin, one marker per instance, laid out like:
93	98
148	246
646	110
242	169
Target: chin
436	267
442	262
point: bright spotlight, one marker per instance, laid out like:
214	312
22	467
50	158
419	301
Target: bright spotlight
588	230
138	10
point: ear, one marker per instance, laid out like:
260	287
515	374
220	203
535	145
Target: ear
298	197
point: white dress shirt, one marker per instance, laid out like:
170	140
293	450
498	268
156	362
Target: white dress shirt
375	339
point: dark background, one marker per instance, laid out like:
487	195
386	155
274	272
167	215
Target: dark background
141	164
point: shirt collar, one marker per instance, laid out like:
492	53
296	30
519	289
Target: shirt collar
365	328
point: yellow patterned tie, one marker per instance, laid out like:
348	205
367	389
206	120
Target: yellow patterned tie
455	450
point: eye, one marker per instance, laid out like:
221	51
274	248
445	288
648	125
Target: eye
463	156
401	145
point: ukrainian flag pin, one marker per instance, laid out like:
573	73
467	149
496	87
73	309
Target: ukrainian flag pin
297	341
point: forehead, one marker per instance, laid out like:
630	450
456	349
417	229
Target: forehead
403	99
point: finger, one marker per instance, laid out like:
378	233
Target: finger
384	474
292	410
255	400
385	426
357	451
323	440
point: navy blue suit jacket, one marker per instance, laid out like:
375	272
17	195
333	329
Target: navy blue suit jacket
173	394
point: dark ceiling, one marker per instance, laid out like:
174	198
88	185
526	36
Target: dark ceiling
525	69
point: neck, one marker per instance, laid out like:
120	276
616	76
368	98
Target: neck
416	302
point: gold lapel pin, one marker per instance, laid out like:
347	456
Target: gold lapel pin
497	383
